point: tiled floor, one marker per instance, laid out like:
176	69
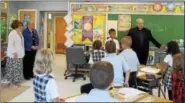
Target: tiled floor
66	87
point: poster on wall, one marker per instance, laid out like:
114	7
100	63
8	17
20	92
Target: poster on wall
111	24
4	24
87	28
98	29
26	15
124	22
11	18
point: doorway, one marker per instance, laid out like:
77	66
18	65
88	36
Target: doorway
54	31
60	29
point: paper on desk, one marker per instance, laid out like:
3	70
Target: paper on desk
150	70
147	99
140	73
129	93
71	99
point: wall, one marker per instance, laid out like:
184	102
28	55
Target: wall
41	7
14	6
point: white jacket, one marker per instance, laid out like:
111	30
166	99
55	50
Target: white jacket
15	45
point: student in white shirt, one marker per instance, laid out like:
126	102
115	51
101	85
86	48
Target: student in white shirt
101	77
131	58
120	66
44	84
112	33
15	54
167	64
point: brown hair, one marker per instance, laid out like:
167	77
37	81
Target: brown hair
101	75
110	47
97	44
127	40
16	23
178	64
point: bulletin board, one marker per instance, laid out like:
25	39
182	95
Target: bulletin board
4	21
95	27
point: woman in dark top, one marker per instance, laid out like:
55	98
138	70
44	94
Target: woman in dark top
31	46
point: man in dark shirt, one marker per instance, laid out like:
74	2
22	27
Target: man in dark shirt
141	37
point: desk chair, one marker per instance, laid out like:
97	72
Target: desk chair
68	70
75	57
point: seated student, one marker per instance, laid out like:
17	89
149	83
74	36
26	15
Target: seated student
112	33
167	65
178	79
45	87
96	56
131	58
101	77
119	65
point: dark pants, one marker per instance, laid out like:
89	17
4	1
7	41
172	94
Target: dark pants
28	64
133	79
170	94
142	57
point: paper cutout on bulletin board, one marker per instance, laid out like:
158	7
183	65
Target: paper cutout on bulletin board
164	9
111	24
87	28
177	9
170	6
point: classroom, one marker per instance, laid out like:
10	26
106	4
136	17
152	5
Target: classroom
92	51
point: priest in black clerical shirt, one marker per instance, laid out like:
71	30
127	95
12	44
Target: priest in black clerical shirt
141	37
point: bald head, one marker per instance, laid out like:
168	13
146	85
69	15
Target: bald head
140	23
30	25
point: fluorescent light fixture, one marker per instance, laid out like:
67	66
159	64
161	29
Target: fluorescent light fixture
49	16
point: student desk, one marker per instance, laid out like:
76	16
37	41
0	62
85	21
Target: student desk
145	97
149	83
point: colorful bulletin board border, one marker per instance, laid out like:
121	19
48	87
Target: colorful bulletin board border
167	8
26	15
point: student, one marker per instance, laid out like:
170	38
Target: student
119	65
167	65
44	84
101	77
97	54
112	33
178	79
131	58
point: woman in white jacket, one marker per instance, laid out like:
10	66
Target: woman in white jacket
15	54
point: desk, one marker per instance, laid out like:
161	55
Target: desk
150	83
140	98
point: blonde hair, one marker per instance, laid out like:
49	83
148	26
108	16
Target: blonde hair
44	62
127	40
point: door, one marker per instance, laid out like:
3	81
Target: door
60	35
